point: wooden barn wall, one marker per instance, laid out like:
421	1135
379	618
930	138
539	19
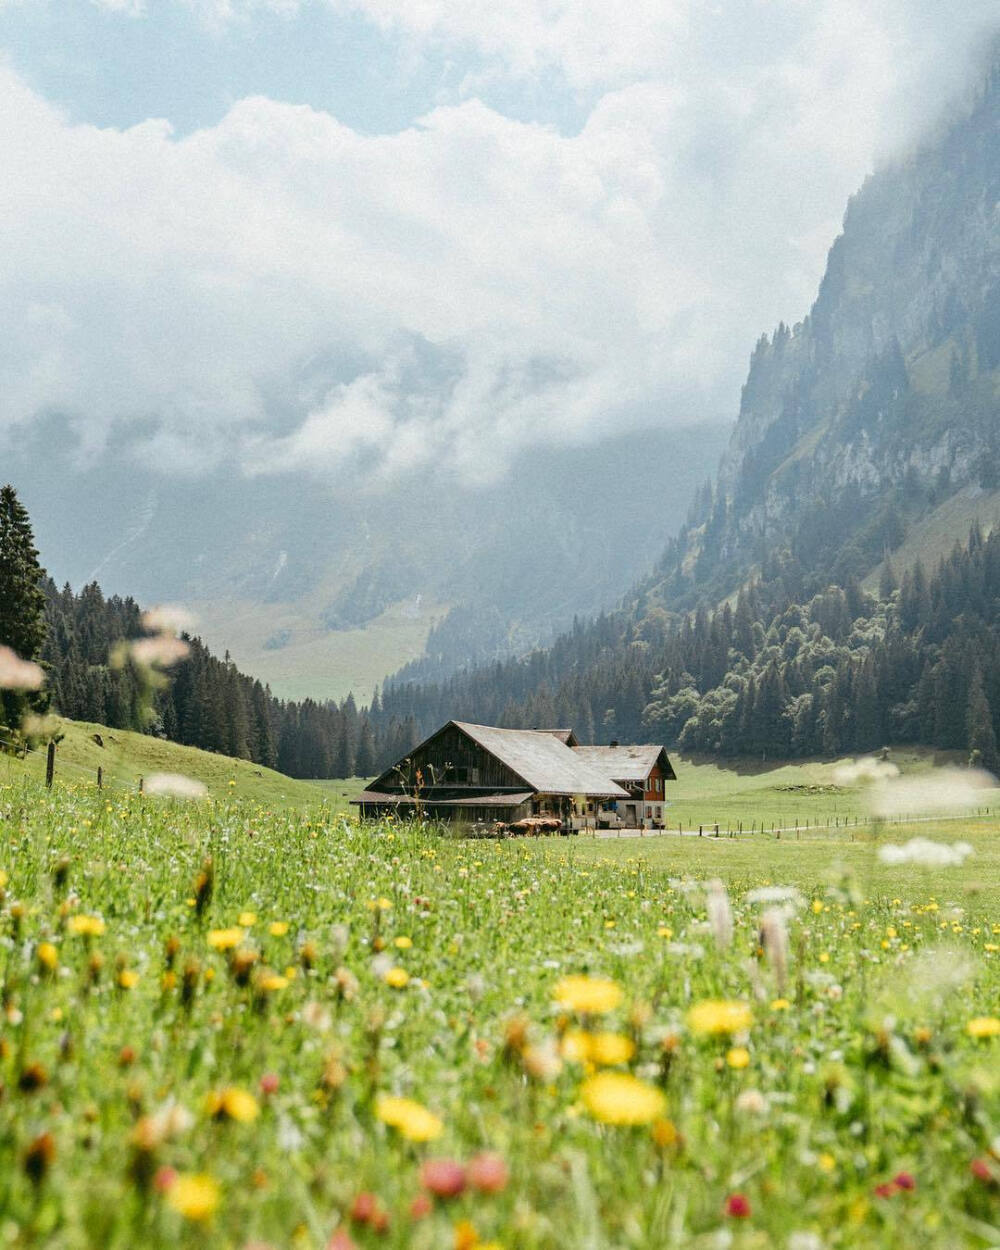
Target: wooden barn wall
450	760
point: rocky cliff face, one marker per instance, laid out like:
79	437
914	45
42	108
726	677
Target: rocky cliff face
886	398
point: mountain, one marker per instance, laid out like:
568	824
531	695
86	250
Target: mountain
324	587
816	601
873	425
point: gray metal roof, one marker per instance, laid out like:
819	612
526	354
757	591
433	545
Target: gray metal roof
624	763
544	762
481	800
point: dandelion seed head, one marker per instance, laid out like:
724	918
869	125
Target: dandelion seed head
168	618
174	786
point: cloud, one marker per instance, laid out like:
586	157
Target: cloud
279	291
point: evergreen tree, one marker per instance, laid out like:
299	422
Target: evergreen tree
22	600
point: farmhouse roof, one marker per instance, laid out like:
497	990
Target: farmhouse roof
482	800
544	761
628	763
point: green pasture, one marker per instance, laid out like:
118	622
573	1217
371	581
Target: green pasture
757	792
814	859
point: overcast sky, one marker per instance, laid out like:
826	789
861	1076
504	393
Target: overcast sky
316	233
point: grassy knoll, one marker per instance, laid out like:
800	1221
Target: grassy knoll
234	1024
727	792
126	756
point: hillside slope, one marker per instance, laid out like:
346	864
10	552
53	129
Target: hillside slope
124	757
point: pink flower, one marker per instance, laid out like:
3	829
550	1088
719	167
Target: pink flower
341	1241
885	1190
163	1179
904	1180
981	1170
269	1083
488	1173
443	1177
738	1206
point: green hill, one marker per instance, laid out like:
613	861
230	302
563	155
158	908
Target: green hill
124	757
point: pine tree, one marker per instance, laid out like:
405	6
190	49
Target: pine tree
22	600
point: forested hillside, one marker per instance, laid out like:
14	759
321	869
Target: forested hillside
775	675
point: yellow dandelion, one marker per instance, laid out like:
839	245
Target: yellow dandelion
128	979
278	928
738	1057
194	1196
225	939
617	1098
588	995
232	1103
983	1026
664	1133
48	956
398	978
85	926
410	1118
271	981
780	1004
575	1046
247	919
716	1016
402	943
611	1049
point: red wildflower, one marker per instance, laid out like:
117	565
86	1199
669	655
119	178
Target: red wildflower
885	1190
488	1173
982	1171
904	1180
269	1083
420	1207
738	1206
443	1177
364	1208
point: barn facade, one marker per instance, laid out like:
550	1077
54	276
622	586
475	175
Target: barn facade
480	774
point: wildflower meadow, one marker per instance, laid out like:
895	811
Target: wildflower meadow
230	1026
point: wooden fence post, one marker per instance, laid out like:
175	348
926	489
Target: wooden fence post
140	785
50	765
100	777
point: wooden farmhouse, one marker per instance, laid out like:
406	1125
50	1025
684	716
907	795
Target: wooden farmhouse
643	772
479	774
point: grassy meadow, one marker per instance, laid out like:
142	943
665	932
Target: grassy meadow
231	1023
